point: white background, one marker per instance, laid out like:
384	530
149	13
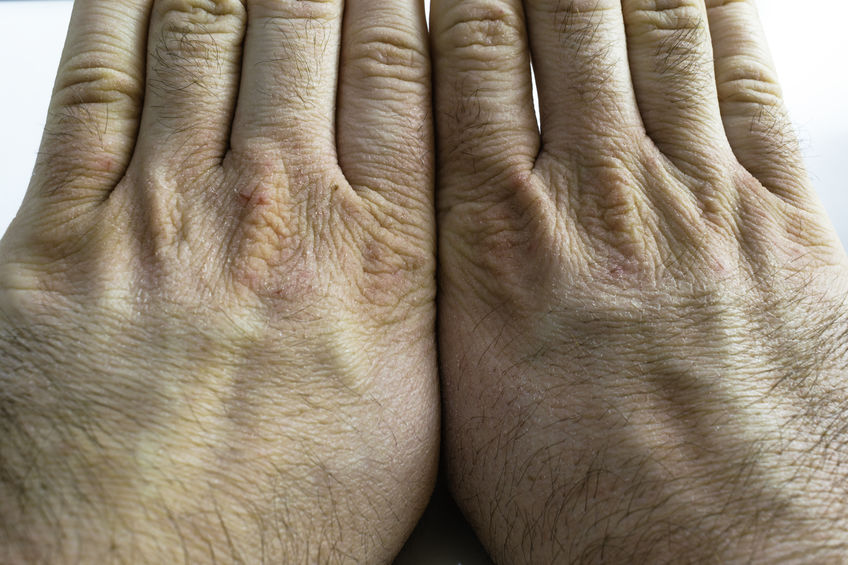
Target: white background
808	41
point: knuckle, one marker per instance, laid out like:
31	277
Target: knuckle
311	10
482	27
576	6
88	80
271	246
663	17
194	27
627	230
713	4
613	207
390	52
569	13
200	12
192	37
397	274
501	236
744	79
678	34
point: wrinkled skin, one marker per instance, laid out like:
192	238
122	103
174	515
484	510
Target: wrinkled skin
217	310
643	326
217	302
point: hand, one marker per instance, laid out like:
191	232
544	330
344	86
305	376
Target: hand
217	302
643	328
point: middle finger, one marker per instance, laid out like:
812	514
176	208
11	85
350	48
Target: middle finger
289	76
585	92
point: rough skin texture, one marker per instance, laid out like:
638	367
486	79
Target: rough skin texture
643	323
217	302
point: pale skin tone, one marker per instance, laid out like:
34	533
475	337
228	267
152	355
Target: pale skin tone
643	329
217	338
218	302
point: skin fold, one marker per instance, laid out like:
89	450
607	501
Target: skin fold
218	301
217	311
643	330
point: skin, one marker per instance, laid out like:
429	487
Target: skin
217	310
217	302
643	327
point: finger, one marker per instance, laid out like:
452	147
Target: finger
484	99
94	113
194	54
755	118
580	56
385	138
288	90
672	69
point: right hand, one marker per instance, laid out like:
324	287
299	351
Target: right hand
643	325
